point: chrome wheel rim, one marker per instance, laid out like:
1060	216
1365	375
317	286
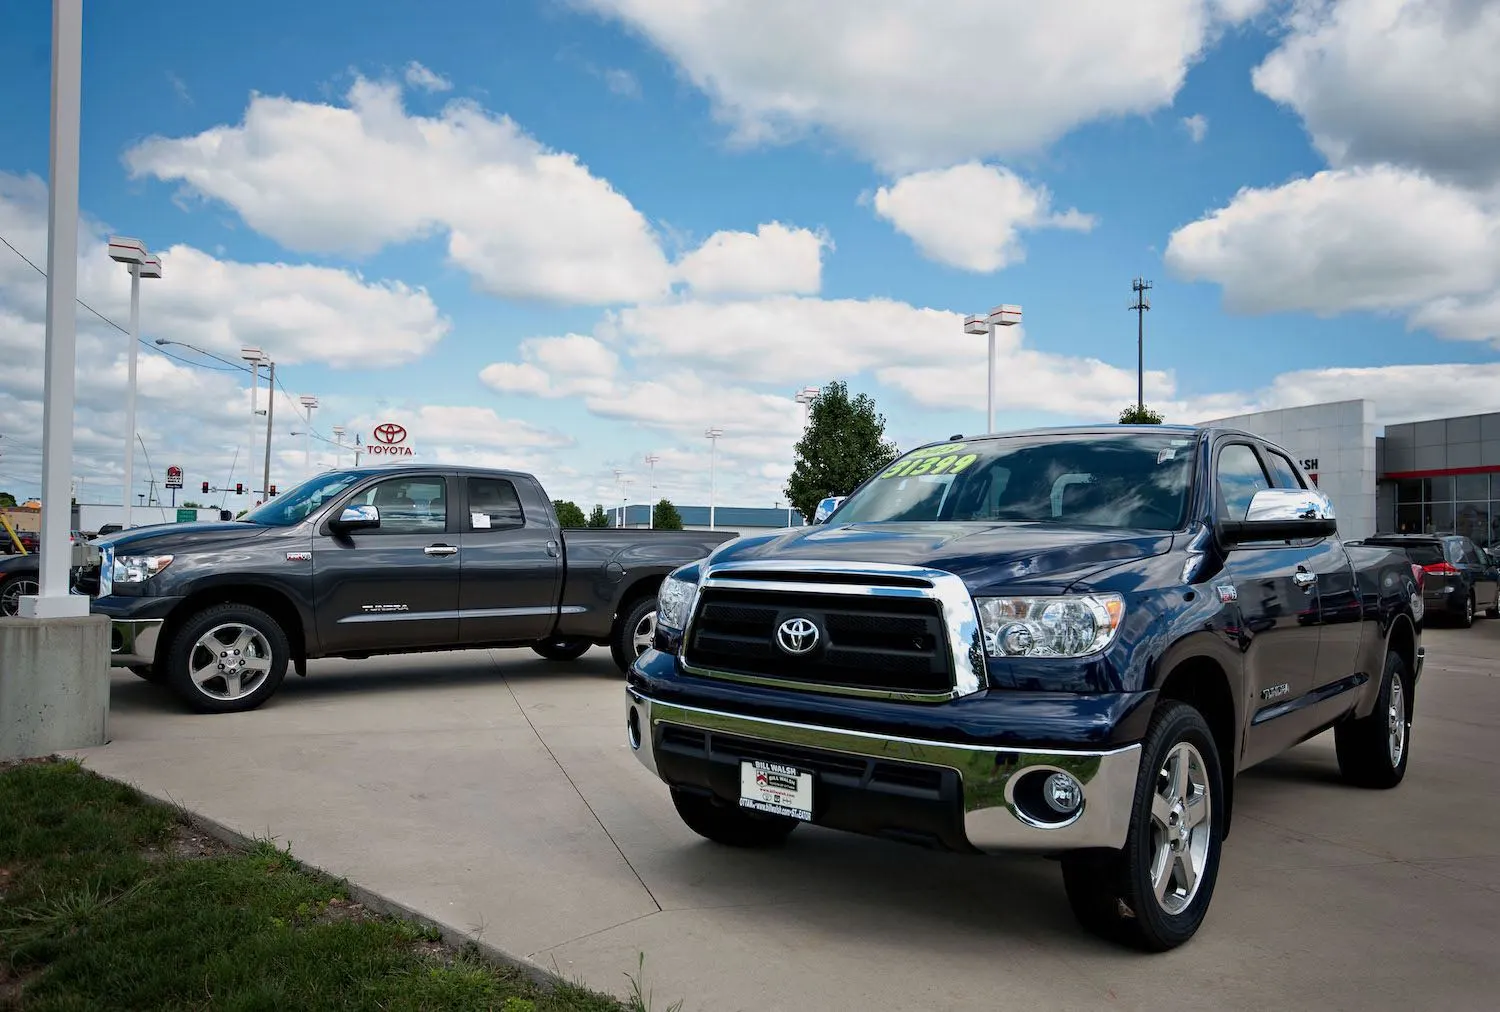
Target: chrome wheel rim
1396	721
643	633
1469	610
1181	825
10	601
230	661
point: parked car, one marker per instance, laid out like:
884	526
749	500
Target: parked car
1459	577
1067	641
29	540
378	560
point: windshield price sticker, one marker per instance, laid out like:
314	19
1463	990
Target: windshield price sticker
923	462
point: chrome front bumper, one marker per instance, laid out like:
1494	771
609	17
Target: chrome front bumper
134	642
992	819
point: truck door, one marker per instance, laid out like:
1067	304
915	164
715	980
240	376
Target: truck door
1275	586
395	586
511	561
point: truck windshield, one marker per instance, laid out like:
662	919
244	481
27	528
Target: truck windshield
1132	480
295	505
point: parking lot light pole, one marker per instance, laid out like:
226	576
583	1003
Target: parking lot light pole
651	462
712	435
142	264
1000	316
308	402
338	437
805	397
255	357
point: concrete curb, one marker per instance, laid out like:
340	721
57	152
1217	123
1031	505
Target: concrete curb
456	937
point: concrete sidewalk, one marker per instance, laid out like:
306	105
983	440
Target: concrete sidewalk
494	792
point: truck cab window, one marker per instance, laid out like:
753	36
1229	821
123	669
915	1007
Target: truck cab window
494	504
1239	477
408	505
1283	471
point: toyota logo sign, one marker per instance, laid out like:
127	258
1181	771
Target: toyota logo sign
797	636
388	438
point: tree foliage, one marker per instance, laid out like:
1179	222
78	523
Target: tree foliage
6	499
1142	415
844	444
568	514
598	518
191	505
665	517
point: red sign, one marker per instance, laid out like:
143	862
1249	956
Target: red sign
388	437
174	477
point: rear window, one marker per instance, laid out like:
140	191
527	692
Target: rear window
1423	553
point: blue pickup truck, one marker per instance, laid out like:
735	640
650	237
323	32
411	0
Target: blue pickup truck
1066	641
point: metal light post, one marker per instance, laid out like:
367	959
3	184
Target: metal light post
255	357
308	402
805	397
651	460
53	599
712	435
1140	306
338	437
142	264
1000	316
265	477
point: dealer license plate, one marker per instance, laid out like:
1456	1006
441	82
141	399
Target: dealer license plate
776	789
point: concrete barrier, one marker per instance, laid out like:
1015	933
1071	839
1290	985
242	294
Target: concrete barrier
54	684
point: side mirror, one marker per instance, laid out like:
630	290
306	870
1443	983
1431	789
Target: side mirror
1282	514
358	518
826	508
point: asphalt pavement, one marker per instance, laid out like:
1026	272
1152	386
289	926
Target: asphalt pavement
494	792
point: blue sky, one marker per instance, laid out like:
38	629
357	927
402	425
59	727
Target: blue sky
1355	249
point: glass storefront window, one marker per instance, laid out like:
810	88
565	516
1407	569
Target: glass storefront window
1471	487
1409	490
1409	518
1472	520
1438	489
1439	517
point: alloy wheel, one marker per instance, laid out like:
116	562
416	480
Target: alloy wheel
1396	721
10	601
230	661
1181	825
643	633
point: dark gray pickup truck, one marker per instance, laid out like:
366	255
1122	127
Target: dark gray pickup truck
375	561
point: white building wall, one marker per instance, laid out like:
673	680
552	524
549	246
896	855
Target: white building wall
1340	438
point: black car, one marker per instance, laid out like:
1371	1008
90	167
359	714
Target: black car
1459	579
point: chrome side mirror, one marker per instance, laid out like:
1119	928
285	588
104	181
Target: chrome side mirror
1282	514
827	507
357	518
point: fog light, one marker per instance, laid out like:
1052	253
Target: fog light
1063	793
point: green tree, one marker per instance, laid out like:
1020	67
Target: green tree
191	505
666	517
1142	415
598	518
568	513
844	444
6	499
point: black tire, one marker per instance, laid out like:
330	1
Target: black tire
733	827
1373	751
184	652
562	650
147	672
15	588
1465	617
1111	893
623	638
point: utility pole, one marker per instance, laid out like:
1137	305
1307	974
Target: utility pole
265	482
1141	304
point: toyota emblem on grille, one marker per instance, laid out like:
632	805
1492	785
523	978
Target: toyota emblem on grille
797	635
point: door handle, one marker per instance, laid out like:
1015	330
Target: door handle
440	550
552	549
1304	579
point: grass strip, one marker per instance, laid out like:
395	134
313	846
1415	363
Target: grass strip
109	900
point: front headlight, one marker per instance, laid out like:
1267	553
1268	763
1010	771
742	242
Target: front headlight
673	602
138	568
1070	626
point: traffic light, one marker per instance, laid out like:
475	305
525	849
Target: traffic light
205	488
273	489
239	488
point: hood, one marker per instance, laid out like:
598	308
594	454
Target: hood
986	556
170	537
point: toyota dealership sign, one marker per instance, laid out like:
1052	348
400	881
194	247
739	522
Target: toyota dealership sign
390	439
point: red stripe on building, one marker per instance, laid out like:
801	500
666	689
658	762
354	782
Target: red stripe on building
1441	472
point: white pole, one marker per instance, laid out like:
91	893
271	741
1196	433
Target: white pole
254	425
989	389
53	600
713	453
135	342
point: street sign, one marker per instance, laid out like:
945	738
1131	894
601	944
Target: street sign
187	516
174	477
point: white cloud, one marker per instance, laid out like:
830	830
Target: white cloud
1412	82
524	221
916	85
1376	239
1196	126
970	216
556	367
773	259
622	82
421	77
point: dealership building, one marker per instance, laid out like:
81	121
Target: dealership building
1430	476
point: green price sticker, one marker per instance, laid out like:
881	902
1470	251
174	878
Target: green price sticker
921	463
